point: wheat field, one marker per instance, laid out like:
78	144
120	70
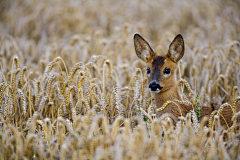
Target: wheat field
72	87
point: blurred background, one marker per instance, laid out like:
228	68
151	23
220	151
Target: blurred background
56	19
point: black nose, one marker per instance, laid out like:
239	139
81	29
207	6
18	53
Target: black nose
154	86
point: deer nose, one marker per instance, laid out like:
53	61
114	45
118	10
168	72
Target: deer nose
154	86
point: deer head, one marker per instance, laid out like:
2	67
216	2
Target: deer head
160	69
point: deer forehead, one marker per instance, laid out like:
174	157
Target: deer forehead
159	62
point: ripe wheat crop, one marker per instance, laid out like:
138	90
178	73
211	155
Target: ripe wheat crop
71	86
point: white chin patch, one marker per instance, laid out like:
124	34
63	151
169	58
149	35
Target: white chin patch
157	91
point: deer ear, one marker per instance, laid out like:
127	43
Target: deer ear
176	48
142	48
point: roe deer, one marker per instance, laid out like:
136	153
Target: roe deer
162	80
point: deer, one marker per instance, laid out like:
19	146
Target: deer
161	75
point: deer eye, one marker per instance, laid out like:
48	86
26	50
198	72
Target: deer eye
167	71
148	71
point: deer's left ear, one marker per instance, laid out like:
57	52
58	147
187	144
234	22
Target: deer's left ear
176	49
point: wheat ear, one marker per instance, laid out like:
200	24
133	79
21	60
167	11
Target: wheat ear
24	106
73	71
183	102
235	105
234	119
50	66
186	84
108	64
3	87
68	94
24	69
13	80
211	118
223	106
166	104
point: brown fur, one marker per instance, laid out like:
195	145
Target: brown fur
169	92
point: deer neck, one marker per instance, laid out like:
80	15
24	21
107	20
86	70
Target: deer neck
169	95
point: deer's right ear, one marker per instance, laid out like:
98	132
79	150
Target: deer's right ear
142	48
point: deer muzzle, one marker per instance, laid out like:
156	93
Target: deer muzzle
155	87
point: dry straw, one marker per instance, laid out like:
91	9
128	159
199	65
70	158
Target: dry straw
102	108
